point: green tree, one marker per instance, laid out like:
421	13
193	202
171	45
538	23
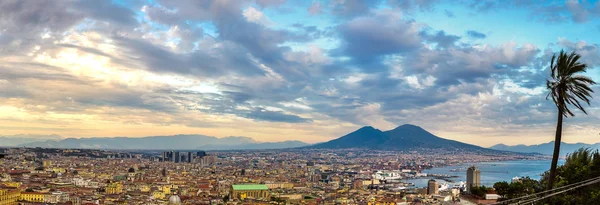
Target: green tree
566	87
479	191
501	188
580	165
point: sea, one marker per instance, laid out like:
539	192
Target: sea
491	172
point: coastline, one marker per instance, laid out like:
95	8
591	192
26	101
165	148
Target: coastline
491	171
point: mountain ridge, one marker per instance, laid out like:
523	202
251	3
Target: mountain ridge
180	141
403	137
16	140
544	148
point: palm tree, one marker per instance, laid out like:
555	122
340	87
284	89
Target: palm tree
566	87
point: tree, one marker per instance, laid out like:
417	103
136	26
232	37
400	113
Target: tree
479	191
501	188
579	166
566	88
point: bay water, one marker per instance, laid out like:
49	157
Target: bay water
491	172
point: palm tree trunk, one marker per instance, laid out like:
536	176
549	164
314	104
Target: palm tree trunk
557	140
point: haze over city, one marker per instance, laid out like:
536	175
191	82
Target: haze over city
276	70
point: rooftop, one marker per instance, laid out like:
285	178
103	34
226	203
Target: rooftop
249	187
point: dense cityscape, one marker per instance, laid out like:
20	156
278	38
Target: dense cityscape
295	176
299	102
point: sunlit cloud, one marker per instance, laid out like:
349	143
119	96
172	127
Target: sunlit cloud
291	70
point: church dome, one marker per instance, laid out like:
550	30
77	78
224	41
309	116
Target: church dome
174	199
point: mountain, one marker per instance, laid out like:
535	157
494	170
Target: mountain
16	140
545	148
159	142
262	145
403	137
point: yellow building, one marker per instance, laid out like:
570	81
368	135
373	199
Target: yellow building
144	188
32	196
280	185
12	184
382	203
158	195
59	170
166	190
9	196
242	191
114	188
47	163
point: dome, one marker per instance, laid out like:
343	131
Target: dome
131	170
174	199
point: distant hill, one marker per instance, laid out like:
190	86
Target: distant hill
16	140
164	142
262	145
545	148
404	137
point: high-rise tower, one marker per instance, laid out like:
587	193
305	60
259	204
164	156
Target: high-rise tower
473	178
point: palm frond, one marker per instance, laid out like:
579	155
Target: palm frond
566	87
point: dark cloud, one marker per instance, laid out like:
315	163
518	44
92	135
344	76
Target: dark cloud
581	11
259	43
466	64
440	38
574	10
386	67
590	53
366	39
107	11
23	22
352	8
475	34
229	58
425	5
275	116
162	15
36	16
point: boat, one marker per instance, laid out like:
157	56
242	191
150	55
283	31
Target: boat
399	188
381	175
444	186
459	185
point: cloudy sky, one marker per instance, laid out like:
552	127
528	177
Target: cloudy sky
304	70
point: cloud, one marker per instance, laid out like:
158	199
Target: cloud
467	64
275	116
256	16
590	53
223	59
107	11
225	67
425	5
352	8
367	38
476	34
554	12
440	38
315	8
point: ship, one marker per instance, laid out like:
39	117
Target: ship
444	187
460	185
381	175
400	188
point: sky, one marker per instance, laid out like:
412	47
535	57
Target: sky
275	70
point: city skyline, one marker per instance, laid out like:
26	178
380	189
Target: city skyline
277	70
